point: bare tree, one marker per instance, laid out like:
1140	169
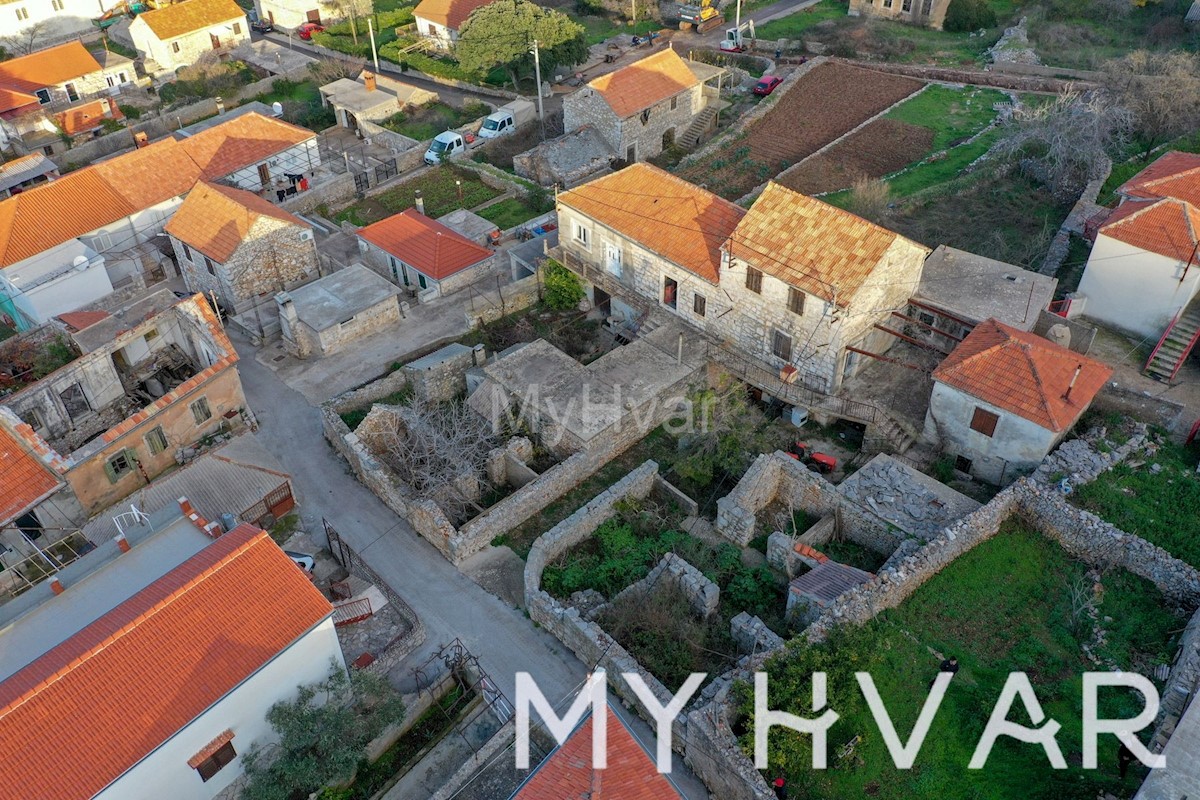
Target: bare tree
331	68
345	9
22	43
1066	142
1161	91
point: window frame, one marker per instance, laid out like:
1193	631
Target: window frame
156	440
187	252
699	304
43	96
201	403
754	279
781	345
114	473
22	14
985	422
222	757
795	301
581	234
174	47
237	29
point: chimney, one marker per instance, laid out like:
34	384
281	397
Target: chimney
56	585
1074	378
287	309
122	543
369	80
420	203
220	105
140	139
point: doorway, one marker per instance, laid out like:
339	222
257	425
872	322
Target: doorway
602	300
216	41
612	259
670	292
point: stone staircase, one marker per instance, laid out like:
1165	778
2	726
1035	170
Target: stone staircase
1176	345
691	137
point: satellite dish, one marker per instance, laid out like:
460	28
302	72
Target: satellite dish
277	108
80	263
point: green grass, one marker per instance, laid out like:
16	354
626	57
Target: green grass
1004	606
429	120
1159	508
438	188
508	213
598	29
795	25
952	114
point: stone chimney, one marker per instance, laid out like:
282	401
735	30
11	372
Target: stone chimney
122	543
420	201
140	139
56	585
220	101
369	80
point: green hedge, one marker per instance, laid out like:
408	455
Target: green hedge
338	37
442	67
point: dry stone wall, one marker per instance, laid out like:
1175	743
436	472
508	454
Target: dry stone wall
703	595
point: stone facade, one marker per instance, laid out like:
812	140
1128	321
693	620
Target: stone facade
420	285
752	634
303	340
638	137
179	51
275	256
930	13
442	375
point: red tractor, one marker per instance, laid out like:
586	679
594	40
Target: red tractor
821	462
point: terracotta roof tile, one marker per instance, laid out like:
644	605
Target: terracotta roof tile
681	222
567	773
1023	373
179	19
428	245
243	141
1173	174
150	666
87	117
216	219
1168	226
11	99
48	67
644	83
26	480
816	247
78	320
451	13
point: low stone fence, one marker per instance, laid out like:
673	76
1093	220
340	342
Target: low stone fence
513	297
1182	683
1081	462
702	594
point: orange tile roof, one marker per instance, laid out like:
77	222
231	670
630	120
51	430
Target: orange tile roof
79	320
241	142
87	117
451	13
179	19
1168	227
82	201
680	221
426	244
216	219
1023	373
1173	174
48	67
89	709
26	480
11	99
816	247
644	83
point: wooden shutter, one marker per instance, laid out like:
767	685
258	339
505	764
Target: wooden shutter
984	421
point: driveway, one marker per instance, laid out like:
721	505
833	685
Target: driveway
448	603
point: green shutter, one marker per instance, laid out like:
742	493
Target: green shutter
110	472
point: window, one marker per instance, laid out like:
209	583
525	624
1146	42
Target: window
57	5
43	96
887	3
581	234
174	47
75	401
213	764
156	440
984	421
670	292
645	116
962	464
101	242
754	280
22	14
208	263
699	305
201	411
781	345
906	6
72	92
120	465
48	150
237	28
795	301
33	418
674	102
926	7
421	281
187	252
150	335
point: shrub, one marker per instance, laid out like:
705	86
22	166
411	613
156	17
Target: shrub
969	15
563	290
130	112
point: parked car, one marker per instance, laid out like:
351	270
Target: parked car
307	30
262	26
766	85
444	145
303	560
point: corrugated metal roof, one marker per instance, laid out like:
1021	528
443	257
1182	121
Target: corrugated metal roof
828	581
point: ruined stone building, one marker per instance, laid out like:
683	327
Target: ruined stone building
930	13
152	378
793	284
647	106
239	248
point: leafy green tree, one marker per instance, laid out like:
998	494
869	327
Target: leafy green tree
731	433
323	735
563	289
969	15
501	34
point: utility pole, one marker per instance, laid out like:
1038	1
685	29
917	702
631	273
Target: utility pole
633	11
374	53
537	72
737	23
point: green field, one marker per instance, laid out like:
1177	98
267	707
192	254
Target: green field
953	114
444	188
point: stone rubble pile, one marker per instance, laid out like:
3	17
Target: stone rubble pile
1014	47
887	490
1081	461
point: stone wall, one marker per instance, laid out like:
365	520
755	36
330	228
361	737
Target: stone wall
444	380
703	595
513	297
752	635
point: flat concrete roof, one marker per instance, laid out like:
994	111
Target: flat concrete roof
976	288
272	57
233	113
911	500
336	298
124	318
355	97
705	72
468	225
39	620
438	356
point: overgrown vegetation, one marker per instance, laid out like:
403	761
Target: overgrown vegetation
26	360
563	289
354	417
1014	603
350	37
207	77
444	188
427	121
301	101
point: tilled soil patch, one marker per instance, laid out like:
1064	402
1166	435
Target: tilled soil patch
881	148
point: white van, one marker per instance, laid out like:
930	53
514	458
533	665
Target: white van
445	145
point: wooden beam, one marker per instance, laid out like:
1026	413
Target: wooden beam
910	340
927	326
888	360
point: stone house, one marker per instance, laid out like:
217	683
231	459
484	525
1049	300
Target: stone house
235	246
791	284
173	36
438	21
223	625
426	257
51	262
44	22
324	316
1142	274
371	97
155	376
294	13
1004	398
930	13
642	108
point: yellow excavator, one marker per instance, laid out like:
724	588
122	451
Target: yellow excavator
701	17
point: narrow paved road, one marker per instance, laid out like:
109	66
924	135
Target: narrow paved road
448	603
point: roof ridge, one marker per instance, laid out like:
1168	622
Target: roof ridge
1026	349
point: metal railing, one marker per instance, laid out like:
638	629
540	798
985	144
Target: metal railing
354	611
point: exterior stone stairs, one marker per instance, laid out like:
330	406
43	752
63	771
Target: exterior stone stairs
1175	346
691	137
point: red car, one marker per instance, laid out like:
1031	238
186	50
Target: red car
307	30
766	85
